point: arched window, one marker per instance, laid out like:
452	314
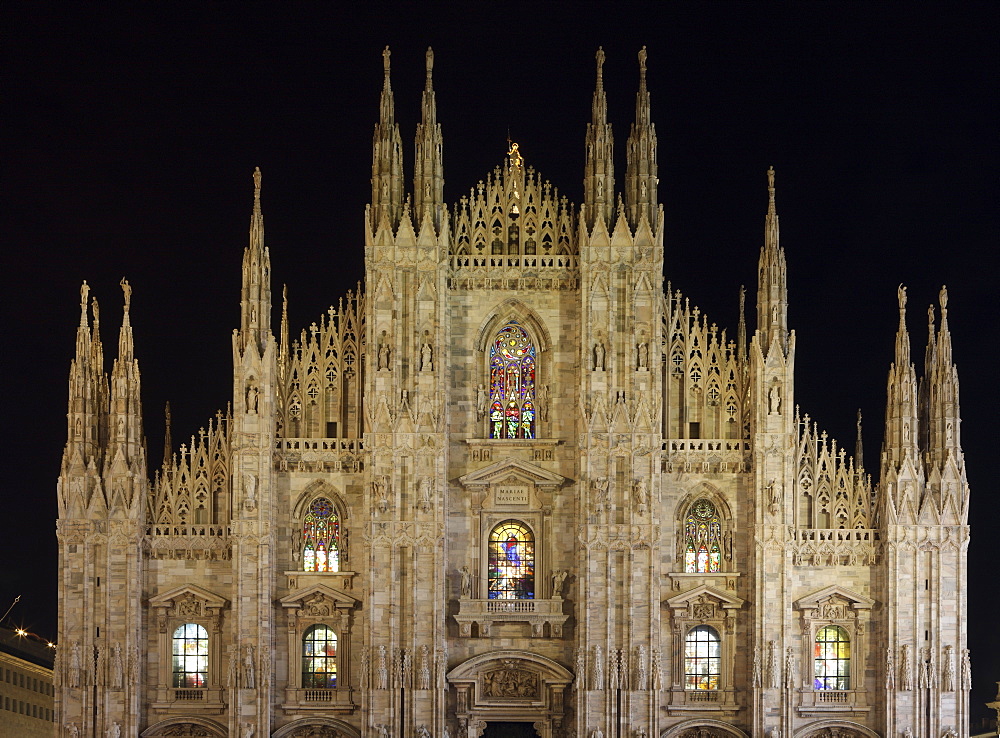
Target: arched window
321	537
702	658
702	538
832	653
319	658
512	384
512	562
190	654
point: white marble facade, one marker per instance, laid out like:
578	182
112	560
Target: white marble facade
542	489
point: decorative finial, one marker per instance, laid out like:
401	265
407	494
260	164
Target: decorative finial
429	56
256	183
642	63
97	312
127	289
600	62
930	318
385	60
901	296
943	299
514	155
770	178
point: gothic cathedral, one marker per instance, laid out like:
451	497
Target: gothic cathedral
511	480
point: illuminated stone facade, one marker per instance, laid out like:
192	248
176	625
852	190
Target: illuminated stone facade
512	480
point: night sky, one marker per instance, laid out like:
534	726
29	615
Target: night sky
129	136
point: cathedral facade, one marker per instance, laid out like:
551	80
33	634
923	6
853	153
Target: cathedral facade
512	480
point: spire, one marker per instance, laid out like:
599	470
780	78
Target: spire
283	348
772	290
741	328
125	416
168	444
85	408
859	449
599	177
428	179
943	410
387	158
255	300
901	400
640	175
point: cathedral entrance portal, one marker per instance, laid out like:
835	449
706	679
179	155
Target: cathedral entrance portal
509	730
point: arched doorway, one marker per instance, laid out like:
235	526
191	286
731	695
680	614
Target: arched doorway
192	726
703	729
509	730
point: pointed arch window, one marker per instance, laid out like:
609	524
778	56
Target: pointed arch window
511	562
832	658
702	658
319	658
190	656
702	539
321	537
512	384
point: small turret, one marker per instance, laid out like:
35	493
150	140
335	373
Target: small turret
640	176
255	301
387	159
599	177
772	288
941	377
428	179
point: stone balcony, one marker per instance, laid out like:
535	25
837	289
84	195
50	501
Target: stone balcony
485	614
706	455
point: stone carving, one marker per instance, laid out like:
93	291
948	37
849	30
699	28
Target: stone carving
614	666
442	666
250	491
382	731
772	666
73	731
558	582
601	487
101	667
905	670
424	668
316	606
907	733
789	668
252	399
406	667
966	669
383	353
480	401
380	493
424	494
249	668
757	668
426	355
598	733
641	674
117	667
598	672
381	669
115	731
948	670
510	682
642	356
640	491
599	353
657	670
775	733
950	732
232	676
248	730
774	401
74	664
581	669
890	669
187	729
422	732
320	731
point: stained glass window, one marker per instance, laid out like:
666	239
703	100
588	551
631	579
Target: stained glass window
512	562
190	656
319	658
512	384
832	653
702	658
321	537
702	539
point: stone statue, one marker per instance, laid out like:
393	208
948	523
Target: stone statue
907	733
774	401
380	493
72	729
642	359
757	675
250	489
253	398
948	670
966	670
232	678
480	401
598	733
558	581
249	669
383	353
424	670
382	731
117	667
950	733
382	670
598	668
890	669
601	489
248	730
426	357
905	670
642	675
581	669
115	731
599	353
640	491
775	733
74	664
127	289
424	494
422	732
790	668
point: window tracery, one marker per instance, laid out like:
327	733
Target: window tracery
321	537
512	384
702	539
511	562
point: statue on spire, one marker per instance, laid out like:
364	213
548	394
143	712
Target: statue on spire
385	60
943	299
901	296
84	292
256	183
127	289
600	62
642	63
429	57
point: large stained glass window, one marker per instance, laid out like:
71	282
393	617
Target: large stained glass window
702	658
319	658
512	562
832	653
190	653
702	539
321	537
512	384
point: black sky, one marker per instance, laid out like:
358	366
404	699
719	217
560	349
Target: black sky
129	135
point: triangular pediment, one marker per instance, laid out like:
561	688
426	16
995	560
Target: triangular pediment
512	470
812	601
188	592
682	600
318	595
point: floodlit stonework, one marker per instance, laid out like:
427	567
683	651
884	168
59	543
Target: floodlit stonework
511	479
